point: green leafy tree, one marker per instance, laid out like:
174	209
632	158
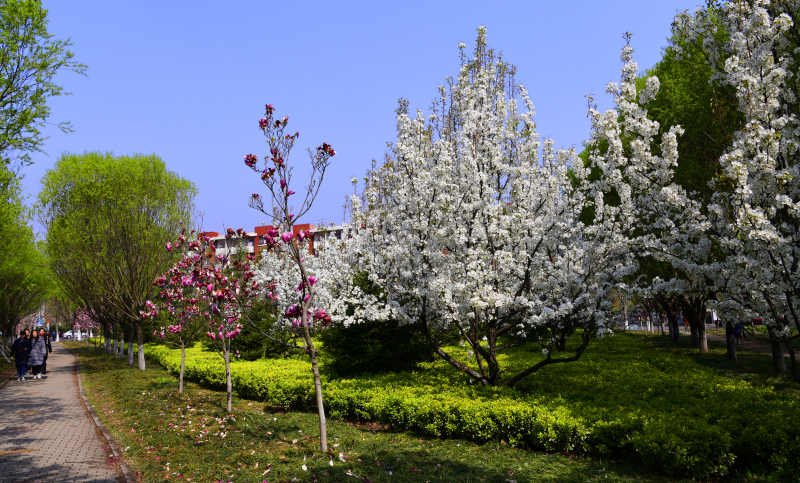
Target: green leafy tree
24	281
108	221
30	58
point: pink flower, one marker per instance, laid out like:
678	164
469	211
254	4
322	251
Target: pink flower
286	237
289	193
283	183
301	236
250	160
263	123
255	196
312	280
169	246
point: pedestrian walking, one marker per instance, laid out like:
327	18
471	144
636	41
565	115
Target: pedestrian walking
738	332
28	338
38	351
21	350
47	346
685	324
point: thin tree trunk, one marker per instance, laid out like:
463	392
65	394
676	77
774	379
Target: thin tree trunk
695	336
730	339
791	358
115	341
323	425
140	343
121	341
778	363
229	395
106	338
701	335
130	346
183	365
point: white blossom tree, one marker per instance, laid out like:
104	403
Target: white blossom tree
478	233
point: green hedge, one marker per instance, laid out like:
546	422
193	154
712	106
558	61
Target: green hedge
676	415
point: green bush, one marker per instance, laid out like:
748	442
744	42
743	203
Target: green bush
372	347
677	416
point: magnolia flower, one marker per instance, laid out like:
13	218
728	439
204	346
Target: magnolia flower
283	183
169	246
289	193
286	237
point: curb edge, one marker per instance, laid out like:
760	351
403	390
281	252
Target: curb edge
130	476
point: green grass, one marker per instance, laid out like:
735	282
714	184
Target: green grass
634	395
159	430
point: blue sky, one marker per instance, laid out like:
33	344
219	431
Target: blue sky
188	81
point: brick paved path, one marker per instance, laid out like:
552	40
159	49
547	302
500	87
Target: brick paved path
46	434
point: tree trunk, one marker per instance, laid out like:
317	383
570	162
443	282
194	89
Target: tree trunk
791	358
130	345
323	426
672	319
730	339
115	341
701	335
106	338
694	309
140	343
778	363
121	341
229	395
183	365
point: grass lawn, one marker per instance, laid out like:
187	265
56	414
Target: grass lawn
159	431
668	399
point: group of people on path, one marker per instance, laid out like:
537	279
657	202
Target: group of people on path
30	353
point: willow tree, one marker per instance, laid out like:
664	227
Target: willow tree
108	219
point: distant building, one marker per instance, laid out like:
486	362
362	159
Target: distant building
256	240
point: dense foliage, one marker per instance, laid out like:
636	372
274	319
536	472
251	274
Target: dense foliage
372	347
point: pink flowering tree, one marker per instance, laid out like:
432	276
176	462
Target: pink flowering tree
182	305
210	286
85	321
301	312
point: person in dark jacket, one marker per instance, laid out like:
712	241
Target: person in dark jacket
21	349
28	338
47	346
38	351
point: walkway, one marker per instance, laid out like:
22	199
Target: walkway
749	345
46	433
